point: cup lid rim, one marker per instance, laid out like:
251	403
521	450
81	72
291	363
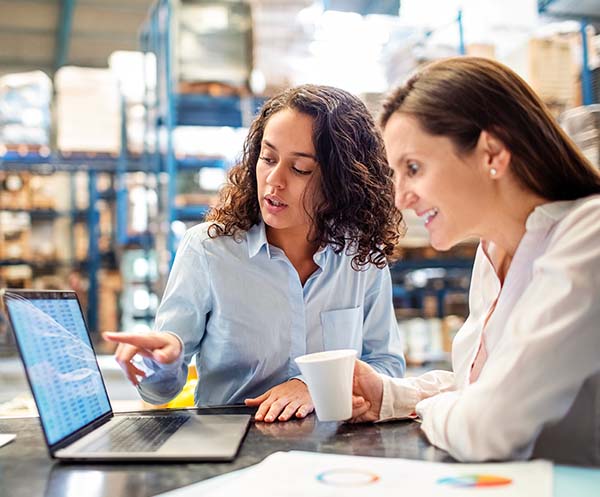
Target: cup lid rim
326	354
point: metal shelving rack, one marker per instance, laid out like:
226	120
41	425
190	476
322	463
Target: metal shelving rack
34	162
453	270
167	108
145	241
171	109
586	11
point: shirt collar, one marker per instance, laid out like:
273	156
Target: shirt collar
320	256
257	238
540	221
544	216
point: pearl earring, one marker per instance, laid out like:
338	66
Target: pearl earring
493	172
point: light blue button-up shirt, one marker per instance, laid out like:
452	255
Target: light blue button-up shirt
240	307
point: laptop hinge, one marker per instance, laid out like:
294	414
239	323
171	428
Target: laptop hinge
81	432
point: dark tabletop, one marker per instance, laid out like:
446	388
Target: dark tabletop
26	469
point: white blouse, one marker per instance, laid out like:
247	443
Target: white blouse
542	342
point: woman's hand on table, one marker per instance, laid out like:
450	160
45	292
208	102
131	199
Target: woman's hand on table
283	402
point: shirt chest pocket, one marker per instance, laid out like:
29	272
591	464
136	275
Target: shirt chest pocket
342	329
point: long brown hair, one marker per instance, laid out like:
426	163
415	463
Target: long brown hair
355	211
462	96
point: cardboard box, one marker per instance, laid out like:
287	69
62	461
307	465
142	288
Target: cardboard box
80	241
42	192
486	50
15	234
552	67
87	108
108	300
212	42
16	247
18	276
14	190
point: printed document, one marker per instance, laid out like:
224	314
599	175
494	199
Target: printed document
300	474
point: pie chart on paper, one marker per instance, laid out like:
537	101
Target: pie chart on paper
347	477
475	481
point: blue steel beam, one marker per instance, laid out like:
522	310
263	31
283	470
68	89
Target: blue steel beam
586	74
122	200
570	9
93	259
543	5
63	33
461	34
164	15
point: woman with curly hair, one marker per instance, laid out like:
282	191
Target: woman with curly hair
293	260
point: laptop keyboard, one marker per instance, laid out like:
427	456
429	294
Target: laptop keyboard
138	434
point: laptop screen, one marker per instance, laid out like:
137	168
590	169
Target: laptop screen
59	360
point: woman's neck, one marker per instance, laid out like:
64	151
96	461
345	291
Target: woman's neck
509	218
499	259
297	249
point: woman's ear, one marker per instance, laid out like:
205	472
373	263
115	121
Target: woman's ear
496	154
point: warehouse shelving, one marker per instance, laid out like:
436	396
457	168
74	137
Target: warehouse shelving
439	277
586	11
129	162
167	108
36	162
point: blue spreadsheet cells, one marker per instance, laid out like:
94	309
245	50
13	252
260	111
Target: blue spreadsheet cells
62	367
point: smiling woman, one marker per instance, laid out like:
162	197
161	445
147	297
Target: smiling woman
476	153
434	180
293	260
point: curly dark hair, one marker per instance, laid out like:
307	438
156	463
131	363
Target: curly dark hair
355	211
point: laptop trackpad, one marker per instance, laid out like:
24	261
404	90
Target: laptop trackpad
211	435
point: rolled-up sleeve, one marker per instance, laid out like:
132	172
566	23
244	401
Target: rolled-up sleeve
183	312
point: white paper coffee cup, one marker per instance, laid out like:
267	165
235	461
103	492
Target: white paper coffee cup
328	376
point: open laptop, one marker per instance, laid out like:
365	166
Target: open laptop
76	416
